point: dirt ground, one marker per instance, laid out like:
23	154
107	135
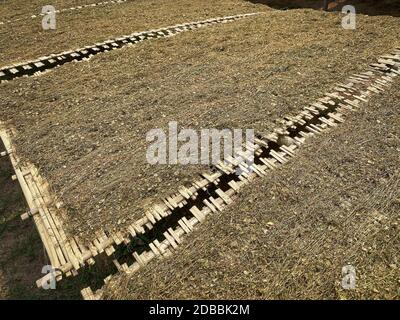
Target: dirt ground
290	233
86	133
22	255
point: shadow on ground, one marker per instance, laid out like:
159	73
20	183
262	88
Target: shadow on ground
22	255
367	7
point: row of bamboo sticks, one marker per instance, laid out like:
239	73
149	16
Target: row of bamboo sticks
346	97
79	7
42	64
67	254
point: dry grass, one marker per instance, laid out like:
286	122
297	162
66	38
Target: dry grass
75	29
337	203
86	132
84	126
14	9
